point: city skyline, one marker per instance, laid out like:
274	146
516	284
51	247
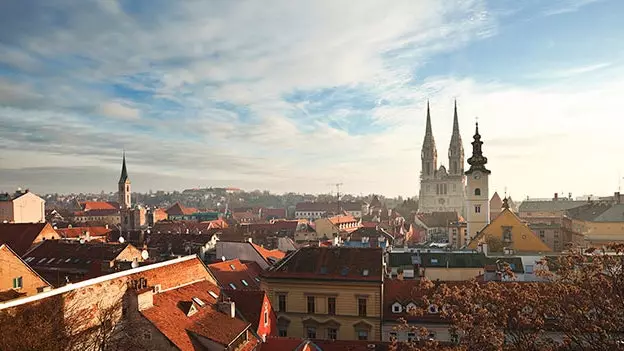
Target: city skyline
294	97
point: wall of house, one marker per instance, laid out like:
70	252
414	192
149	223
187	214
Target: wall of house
47	233
309	214
242	251
6	211
12	267
130	253
325	228
28	208
346	294
270	327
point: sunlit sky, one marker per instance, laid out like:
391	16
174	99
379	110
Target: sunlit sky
295	95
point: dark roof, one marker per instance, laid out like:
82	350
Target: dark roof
20	236
371	232
550	206
178	244
451	260
248	303
183	227
405	292
294	344
61	249
168	316
124	171
439	219
331	263
178	209
598	212
275	227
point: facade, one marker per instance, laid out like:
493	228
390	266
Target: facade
551	234
255	307
17	279
246	251
441	189
511	232
22	207
439	225
316	210
327	293
496	205
477	197
97	217
594	224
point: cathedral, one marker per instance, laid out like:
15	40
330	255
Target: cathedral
442	189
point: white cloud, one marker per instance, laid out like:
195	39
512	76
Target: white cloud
119	110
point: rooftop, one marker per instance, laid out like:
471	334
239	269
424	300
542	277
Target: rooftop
233	274
560	204
171	319
20	236
62	250
335	263
99	205
248	303
598	212
439	219
178	209
451	260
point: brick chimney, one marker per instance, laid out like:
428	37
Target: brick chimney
228	307
556	196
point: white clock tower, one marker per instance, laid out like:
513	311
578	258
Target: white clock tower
477	194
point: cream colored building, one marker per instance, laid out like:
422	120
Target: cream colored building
477	197
22	207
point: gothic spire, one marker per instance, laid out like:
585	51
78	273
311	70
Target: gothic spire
455	121
477	162
124	171
456	148
429	141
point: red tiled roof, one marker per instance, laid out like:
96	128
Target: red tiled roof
208	322
335	263
275	226
21	236
182	227
342	219
274	254
76	232
439	219
248	303
98	205
295	344
179	210
234	272
253	267
273	212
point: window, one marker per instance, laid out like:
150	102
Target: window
477	208
507	234
266	317
232	267
411	336
433	309
17	283
397	308
528	269
212	293
282	331
362	334
281	303
244	282
332	333
477	192
311	332
311	304
393	335
541	234
331	305
362	308
232	286
257	279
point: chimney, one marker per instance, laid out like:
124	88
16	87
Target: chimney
556	196
145	299
228	307
616	197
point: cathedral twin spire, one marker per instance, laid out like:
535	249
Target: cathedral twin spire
429	152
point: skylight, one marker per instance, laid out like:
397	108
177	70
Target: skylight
232	267
232	286
257	279
365	272
213	294
244	282
199	302
344	271
323	270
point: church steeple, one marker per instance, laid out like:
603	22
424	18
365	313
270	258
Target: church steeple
477	162
429	154
456	148
124	186
124	171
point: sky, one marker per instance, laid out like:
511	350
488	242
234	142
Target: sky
297	95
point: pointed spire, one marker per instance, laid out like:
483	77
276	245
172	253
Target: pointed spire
455	120
428	130
124	171
456	148
505	203
477	162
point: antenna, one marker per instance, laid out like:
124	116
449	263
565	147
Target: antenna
337	185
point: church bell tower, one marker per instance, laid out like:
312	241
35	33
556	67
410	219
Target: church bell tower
477	194
125	202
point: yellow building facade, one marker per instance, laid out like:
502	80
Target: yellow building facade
328	293
512	232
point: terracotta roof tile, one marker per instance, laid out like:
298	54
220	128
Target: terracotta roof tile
335	263
295	344
234	272
208	322
98	205
180	210
269	255
342	219
76	232
71	249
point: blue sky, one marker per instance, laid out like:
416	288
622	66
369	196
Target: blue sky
297	95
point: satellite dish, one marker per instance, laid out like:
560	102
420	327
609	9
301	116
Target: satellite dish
121	239
82	240
223	258
135	264
148	231
145	254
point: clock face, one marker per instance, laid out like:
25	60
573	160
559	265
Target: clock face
476	175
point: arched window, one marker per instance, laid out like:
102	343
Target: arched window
478	192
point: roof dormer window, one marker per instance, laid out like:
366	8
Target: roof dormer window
410	306
433	309
397	308
232	286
